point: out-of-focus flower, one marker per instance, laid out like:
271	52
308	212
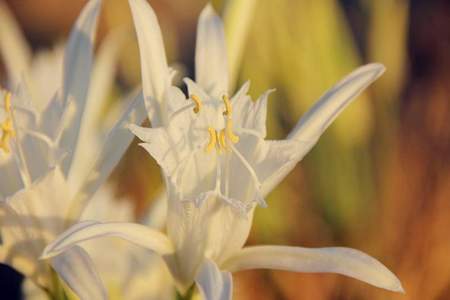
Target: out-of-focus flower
217	166
128	272
46	180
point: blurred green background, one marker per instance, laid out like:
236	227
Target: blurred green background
378	180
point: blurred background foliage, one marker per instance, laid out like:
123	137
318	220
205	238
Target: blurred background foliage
378	180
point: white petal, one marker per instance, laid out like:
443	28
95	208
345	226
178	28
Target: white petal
43	205
115	145
135	233
77	70
159	143
273	157
195	89
251	114
328	107
311	126
211	69
345	261
13	46
213	284
77	270
102	79
154	69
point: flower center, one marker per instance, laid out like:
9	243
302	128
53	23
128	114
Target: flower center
6	126
219	139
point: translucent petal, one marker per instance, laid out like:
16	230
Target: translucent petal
116	143
77	71
311	126
334	101
345	261
212	283
211	69
135	233
77	270
154	68
103	74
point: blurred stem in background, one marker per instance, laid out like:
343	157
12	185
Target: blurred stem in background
387	43
238	17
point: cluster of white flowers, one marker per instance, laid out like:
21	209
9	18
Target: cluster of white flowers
210	145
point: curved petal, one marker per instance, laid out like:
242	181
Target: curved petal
103	73
345	261
77	70
211	69
311	126
328	107
135	233
213	284
154	69
77	270
116	143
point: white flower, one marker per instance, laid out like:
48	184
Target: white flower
47	173
129	272
218	167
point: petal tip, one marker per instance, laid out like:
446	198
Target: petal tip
208	10
397	287
47	254
377	68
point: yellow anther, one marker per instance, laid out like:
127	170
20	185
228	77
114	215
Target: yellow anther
228	107
212	139
8	102
7	125
198	103
222	140
229	131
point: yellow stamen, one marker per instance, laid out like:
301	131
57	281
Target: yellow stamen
229	131
212	139
228	107
8	102
222	141
7	125
198	103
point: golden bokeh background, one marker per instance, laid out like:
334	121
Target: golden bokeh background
378	180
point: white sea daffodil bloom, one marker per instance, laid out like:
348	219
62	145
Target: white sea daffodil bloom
129	272
218	167
42	190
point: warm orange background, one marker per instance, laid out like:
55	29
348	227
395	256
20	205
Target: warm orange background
379	180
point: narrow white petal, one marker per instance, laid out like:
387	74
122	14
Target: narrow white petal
154	69
13	46
211	69
135	233
311	126
115	145
77	270
103	74
330	105
77	70
345	261
212	283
